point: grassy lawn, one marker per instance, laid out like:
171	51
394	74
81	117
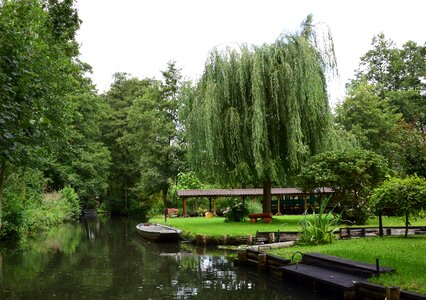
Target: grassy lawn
217	226
407	256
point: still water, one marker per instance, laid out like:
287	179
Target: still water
103	258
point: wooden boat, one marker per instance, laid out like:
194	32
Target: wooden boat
158	232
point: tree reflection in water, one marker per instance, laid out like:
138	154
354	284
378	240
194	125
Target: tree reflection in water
103	258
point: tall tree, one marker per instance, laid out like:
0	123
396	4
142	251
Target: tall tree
37	70
386	104
373	121
260	112
124	173
154	134
397	74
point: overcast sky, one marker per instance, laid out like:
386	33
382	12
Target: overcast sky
139	37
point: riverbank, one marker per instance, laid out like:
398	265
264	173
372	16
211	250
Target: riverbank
405	255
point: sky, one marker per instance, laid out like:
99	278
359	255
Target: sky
140	37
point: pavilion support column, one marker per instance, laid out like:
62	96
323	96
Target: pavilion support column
278	206
210	204
214	207
184	213
306	202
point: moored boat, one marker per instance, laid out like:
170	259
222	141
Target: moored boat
158	232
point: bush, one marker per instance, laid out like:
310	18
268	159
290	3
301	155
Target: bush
70	197
352	174
254	207
237	212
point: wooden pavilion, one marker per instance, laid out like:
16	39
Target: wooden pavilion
284	197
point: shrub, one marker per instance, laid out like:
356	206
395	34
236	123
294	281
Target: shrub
237	212
352	174
400	197
320	230
70	197
254	207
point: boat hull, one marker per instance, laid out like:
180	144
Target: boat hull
158	232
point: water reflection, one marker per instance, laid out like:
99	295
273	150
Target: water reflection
103	258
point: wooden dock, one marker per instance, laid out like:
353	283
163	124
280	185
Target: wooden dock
338	277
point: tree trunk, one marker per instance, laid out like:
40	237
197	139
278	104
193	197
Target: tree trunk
2	172
406	224
267	197
165	202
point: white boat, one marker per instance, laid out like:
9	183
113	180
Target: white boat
158	232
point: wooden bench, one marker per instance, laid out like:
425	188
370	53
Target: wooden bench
267	217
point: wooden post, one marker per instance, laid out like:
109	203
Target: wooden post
262	264
201	239
210	204
305	199
278	205
242	256
214	207
184	214
271	237
393	293
249	239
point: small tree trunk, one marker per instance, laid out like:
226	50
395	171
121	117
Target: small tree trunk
2	173
165	202
267	197
406	224
380	224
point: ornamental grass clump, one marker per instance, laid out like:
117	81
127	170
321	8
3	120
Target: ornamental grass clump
319	229
237	212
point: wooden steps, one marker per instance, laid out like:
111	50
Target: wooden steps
331	272
343	265
329	277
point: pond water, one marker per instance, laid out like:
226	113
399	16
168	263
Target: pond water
103	258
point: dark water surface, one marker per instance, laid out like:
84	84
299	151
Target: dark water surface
103	258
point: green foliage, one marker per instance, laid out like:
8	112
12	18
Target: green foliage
352	174
259	112
320	228
254	207
400	196
372	120
395	91
185	181
237	212
69	195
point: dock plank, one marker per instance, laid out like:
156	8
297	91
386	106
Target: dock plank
344	265
329	277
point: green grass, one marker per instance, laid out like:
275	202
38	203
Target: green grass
217	226
407	256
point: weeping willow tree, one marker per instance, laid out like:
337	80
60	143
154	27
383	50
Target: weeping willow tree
260	112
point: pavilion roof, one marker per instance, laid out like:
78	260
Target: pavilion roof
247	192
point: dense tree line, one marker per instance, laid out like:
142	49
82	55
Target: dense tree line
255	118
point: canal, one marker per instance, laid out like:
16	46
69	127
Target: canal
103	258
